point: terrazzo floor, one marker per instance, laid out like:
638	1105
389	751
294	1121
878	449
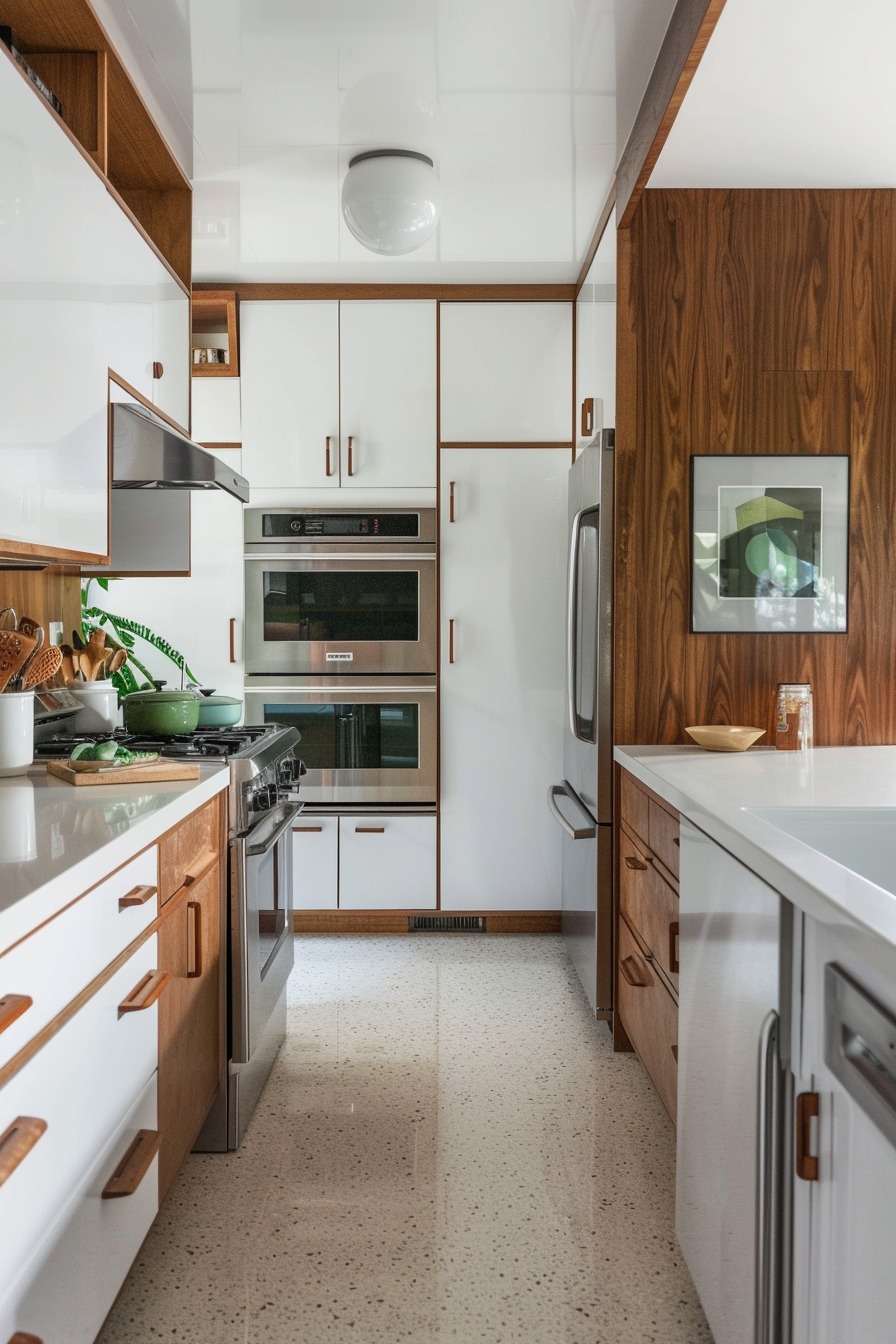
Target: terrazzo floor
447	1149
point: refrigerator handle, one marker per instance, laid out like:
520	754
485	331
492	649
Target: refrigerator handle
571	640
574	832
771	1249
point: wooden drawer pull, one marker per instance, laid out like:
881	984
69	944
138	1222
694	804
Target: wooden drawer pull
205	864
306	830
635	864
139	896
629	975
233	639
125	1179
17	1141
158	369
351	461
145	994
451	515
806	1112
673	947
194	927
12	1006
370	830
674	1049
21	1338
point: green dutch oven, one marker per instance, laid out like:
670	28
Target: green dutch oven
166	713
218	711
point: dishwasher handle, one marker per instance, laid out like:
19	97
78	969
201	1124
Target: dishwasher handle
575	833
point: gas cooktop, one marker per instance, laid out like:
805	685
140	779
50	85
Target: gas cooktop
222	742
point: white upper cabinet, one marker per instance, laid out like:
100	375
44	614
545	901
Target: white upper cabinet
506	372
388	363
171	350
215	410
297	359
289	367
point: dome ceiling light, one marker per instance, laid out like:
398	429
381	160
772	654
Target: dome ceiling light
391	199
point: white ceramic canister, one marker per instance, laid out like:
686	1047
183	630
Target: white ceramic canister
99	706
16	732
18	833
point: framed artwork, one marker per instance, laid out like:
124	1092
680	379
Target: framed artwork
769	544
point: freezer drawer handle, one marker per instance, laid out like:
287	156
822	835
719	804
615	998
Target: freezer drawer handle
127	1176
629	976
806	1112
12	1006
575	833
635	864
17	1141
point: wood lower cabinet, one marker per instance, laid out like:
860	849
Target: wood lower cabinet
191	1021
647	934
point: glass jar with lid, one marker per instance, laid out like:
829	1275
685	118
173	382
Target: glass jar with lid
793	718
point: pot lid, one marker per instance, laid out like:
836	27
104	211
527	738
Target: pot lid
219	700
160	696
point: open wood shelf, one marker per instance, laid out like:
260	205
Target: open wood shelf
69	49
214	314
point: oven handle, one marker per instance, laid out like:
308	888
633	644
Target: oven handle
368	556
252	851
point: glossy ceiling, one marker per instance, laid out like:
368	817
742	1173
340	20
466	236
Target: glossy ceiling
513	99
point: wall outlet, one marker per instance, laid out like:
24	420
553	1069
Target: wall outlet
56	632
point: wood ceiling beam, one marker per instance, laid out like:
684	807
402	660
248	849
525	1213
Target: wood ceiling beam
690	28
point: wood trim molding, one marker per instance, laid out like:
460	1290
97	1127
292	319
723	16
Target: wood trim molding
218	447
138	396
560	443
690	28
442	293
396	921
599	230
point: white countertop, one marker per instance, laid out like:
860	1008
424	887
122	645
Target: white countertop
713	789
56	840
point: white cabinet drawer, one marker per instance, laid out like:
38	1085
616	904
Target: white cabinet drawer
387	862
64	1292
81	1085
315	863
59	959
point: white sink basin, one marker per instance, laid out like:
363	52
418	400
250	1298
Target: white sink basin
861	839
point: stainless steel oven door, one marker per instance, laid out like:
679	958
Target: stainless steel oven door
261	926
334	614
360	743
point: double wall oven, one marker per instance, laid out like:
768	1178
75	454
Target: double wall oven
341	645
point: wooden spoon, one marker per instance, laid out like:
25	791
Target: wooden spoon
69	671
119	657
93	657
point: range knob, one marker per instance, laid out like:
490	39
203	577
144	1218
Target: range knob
265	797
291	770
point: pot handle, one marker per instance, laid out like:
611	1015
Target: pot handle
159	684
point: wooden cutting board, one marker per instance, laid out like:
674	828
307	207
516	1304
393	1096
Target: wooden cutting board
125	774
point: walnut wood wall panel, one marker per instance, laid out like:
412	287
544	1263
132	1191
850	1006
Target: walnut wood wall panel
753	322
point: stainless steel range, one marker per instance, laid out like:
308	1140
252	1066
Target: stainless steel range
265	771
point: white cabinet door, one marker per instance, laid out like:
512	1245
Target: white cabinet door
387	862
506	372
216	411
388	367
503	577
315	863
289	372
171	349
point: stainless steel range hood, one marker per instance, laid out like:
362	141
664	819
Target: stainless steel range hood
148	454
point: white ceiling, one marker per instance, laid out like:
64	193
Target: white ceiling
790	93
513	99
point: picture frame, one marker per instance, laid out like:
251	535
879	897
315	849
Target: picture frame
769	544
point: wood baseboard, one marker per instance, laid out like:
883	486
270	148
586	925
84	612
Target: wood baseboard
396	921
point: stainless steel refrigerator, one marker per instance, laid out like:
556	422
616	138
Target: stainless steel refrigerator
582	803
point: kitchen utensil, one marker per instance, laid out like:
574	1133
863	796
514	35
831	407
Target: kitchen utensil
42	666
77	641
119	657
724	737
166	712
68	662
218	710
99	706
33	631
16	731
93	657
15	649
8	619
153	771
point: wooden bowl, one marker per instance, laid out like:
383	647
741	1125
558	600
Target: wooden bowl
724	736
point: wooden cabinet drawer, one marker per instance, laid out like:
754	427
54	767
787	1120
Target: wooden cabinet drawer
649	904
650	1017
58	960
185	851
663	835
81	1085
68	1286
633	806
191	1045
387	863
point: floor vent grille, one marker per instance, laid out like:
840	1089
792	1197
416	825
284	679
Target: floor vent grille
446	924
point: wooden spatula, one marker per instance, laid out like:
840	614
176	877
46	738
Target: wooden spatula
15	649
42	666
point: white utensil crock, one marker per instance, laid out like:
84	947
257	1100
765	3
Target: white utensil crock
16	732
99	701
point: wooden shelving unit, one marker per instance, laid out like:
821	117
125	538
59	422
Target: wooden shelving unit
68	48
214	325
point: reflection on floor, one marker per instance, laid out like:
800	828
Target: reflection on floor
448	1149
